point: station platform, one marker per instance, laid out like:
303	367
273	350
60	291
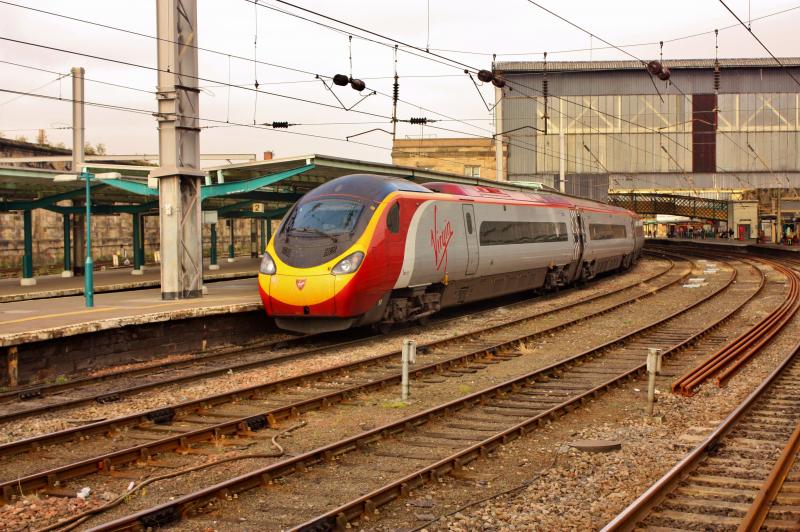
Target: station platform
116	280
35	320
743	246
46	338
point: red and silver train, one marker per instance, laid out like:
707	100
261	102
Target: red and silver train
372	250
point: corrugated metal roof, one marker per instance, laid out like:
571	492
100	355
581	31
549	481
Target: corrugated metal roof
580	66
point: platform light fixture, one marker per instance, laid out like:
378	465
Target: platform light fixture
88	274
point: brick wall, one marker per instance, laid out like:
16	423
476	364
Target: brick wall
110	234
448	155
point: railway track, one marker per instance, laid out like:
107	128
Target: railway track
116	386
725	362
734	479
227	414
474	425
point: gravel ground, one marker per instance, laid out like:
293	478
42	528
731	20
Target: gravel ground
378	408
565	489
159	398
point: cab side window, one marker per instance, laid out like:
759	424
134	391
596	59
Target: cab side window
393	218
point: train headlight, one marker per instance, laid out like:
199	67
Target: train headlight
267	266
349	264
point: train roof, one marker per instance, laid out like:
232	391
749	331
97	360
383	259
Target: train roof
368	186
377	187
543	196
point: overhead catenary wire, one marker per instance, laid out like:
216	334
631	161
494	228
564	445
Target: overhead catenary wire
759	41
156	69
92	80
335	29
216	121
599	48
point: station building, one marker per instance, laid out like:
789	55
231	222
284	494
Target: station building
726	129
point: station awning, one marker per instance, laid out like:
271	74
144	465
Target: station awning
230	189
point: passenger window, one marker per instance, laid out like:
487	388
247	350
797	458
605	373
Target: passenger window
469	223
393	218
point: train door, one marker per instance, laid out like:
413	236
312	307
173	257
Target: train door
578	244
471	227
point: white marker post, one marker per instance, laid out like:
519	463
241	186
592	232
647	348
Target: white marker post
409	357
653	367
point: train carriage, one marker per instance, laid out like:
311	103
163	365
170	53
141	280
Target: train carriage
372	250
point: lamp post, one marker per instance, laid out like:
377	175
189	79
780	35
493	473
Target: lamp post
88	276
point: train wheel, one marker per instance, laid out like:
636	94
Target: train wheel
424	321
384	328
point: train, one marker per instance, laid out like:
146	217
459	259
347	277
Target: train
374	250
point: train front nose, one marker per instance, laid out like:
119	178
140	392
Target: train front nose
298	295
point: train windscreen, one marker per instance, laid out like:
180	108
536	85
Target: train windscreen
325	216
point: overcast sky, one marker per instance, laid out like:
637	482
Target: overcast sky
230	26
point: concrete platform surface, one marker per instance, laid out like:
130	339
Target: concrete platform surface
115	280
44	319
752	244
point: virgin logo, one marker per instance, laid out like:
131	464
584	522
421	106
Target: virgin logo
300	283
440	240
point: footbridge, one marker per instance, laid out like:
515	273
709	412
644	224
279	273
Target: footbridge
650	203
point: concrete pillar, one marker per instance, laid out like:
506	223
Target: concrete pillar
232	244
500	167
27	259
78	130
213	253
179	173
562	149
138	258
78	127
67	272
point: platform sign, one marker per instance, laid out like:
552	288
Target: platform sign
210	217
258	207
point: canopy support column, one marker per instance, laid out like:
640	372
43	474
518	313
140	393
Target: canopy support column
231	246
27	259
263	236
213	254
137	245
78	241
67	272
253	238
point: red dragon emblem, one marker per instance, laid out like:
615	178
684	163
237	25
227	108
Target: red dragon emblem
440	240
300	283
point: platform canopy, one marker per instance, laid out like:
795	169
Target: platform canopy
231	190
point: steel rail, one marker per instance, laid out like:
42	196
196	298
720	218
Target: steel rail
639	508
759	509
730	358
339	518
269	417
193	405
117	394
172	511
